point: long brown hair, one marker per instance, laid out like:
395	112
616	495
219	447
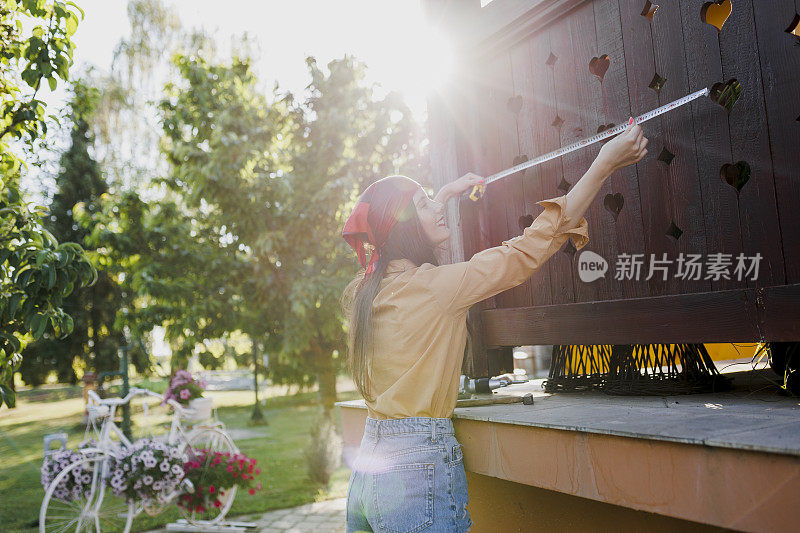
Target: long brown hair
407	240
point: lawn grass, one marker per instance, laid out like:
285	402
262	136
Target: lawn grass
278	447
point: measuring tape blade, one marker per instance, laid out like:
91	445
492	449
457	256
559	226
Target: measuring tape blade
474	195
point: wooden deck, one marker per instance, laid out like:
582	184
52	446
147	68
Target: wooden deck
726	459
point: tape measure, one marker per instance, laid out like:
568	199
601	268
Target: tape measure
477	190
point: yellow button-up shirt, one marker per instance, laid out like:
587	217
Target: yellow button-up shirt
420	315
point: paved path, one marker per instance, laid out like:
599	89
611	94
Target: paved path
318	517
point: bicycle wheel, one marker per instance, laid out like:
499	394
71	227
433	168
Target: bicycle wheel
213	440
97	509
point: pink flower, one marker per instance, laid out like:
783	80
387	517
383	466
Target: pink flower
211	489
252	491
185	394
258	470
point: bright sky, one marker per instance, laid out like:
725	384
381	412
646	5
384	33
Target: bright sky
391	36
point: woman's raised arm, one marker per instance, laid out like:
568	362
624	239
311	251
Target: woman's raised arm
459	285
625	149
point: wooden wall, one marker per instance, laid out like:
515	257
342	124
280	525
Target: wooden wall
525	88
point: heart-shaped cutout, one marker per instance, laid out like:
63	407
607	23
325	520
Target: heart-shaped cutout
614	203
794	27
649	10
603	127
599	66
735	175
716	13
525	221
726	94
515	104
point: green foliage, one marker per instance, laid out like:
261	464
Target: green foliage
244	237
46	54
36	272
276	180
94	338
344	138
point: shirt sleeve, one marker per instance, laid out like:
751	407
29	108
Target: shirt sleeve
458	286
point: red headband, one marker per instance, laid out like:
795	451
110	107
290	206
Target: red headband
378	209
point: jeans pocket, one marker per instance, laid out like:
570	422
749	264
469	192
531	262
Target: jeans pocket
404	497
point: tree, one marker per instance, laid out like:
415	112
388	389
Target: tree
344	138
223	142
95	338
36	272
275	180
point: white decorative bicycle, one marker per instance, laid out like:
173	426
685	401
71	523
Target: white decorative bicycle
98	509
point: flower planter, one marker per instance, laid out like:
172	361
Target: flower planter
198	409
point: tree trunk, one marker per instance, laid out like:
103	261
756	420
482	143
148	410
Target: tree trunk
257	416
326	376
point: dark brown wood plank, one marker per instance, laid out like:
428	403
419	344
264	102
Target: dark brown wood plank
527	123
712	139
500	149
625	234
444	166
681	175
565	72
750	142
779	307
511	189
584	95
656	200
780	70
501	361
724	316
475	216
488	159
473	220
547	137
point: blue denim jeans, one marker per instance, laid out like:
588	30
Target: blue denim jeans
408	477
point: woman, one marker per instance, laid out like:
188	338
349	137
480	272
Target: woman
408	331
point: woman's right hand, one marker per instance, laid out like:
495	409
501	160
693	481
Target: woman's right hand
625	149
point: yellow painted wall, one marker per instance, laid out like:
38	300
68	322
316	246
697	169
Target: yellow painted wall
725	351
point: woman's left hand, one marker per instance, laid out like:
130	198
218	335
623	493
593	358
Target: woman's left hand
467	182
458	187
